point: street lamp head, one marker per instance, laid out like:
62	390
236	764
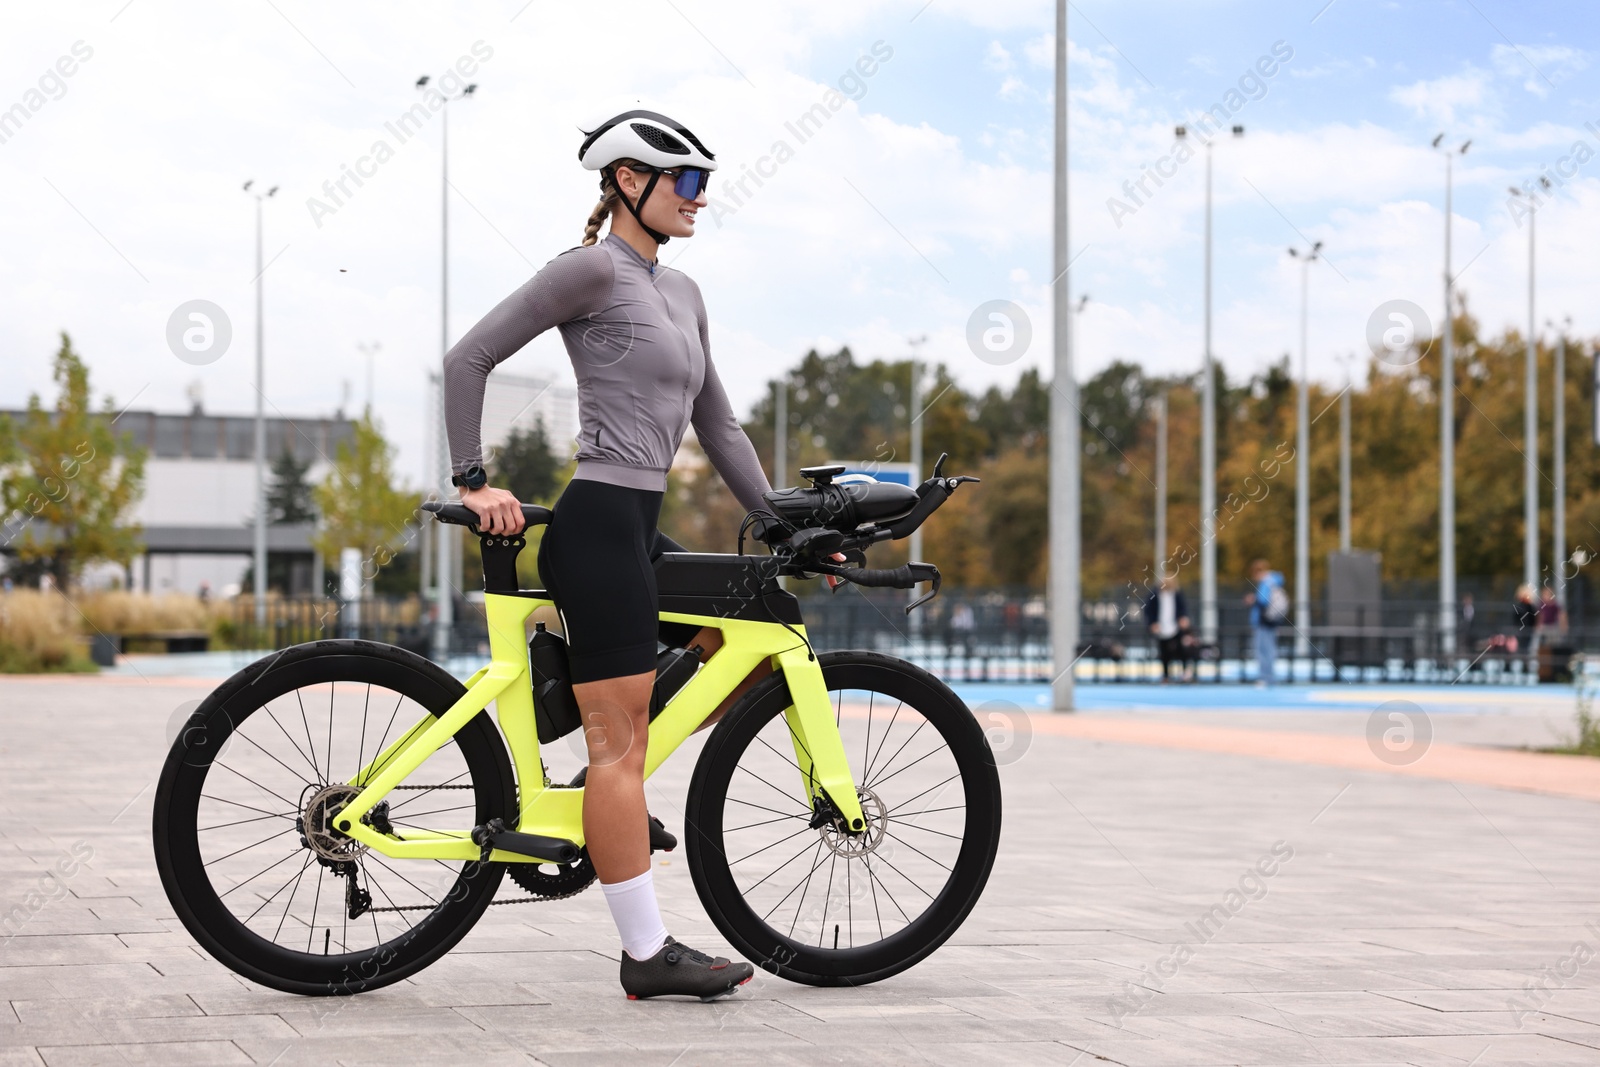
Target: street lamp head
1464	146
422	81
274	189
1316	248
1513	190
1238	131
1437	139
469	90
248	184
1181	132
1294	252
1544	183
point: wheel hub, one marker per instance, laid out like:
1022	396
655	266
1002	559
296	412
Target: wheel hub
866	841
317	828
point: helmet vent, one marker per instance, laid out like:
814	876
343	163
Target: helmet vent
660	140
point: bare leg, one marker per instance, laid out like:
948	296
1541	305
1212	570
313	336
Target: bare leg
710	638
616	719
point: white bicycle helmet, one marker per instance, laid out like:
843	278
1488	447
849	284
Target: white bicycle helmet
654	140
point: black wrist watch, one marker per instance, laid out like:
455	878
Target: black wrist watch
473	477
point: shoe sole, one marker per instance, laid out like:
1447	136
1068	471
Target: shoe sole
707	999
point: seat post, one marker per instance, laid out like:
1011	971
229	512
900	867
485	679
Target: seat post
500	561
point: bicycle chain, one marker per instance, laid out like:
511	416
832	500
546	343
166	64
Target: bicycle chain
492	903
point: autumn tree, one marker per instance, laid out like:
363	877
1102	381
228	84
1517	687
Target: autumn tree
68	481
362	505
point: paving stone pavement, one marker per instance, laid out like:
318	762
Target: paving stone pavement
1127	921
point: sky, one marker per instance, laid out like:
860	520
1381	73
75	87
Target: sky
923	196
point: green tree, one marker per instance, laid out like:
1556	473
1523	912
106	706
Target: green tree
526	466
361	505
69	481
289	494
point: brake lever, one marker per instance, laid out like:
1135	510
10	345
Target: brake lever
925	572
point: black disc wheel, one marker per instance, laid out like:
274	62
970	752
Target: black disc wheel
780	875
245	825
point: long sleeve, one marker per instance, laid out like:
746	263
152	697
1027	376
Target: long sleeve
574	284
723	439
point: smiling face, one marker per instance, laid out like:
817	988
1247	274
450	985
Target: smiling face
665	212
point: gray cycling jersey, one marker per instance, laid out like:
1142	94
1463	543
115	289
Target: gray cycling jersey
638	342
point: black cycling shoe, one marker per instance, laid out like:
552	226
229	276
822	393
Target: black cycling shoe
678	970
661	839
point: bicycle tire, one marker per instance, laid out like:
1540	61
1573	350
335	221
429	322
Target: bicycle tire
708	843
199	747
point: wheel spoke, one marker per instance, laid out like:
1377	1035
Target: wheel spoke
913	763
241	822
275	759
310	744
247	848
252	781
890	761
775	844
764	822
382	740
772	787
887	730
267	707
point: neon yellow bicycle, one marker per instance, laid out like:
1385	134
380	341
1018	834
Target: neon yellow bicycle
337	816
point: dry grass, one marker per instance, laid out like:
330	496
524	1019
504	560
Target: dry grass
40	633
118	612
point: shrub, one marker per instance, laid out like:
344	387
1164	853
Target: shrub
40	633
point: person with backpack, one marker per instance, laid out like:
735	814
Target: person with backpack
1269	609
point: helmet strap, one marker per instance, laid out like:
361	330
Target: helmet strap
649	187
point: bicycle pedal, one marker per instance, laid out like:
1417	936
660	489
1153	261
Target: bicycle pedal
493	834
661	839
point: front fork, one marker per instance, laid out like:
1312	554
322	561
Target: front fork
818	747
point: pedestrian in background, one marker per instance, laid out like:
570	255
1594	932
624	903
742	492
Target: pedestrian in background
1269	609
1166	612
1525	613
1467	615
1552	620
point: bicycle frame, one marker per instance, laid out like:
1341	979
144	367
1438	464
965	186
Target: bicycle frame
557	811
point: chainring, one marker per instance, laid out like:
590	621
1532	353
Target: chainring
554	881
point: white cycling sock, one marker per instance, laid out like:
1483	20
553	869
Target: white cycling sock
638	918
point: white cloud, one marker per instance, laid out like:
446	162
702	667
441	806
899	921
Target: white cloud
995	57
1440	99
1541	66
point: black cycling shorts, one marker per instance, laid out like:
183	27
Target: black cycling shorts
597	561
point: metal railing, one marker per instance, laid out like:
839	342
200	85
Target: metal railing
1003	636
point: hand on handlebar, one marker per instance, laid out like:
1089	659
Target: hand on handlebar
498	510
834	580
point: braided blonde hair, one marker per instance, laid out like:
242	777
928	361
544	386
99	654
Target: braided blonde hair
609	198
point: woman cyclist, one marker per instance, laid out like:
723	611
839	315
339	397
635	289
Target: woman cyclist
637	336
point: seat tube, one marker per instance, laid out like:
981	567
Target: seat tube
819	749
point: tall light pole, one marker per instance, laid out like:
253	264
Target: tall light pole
1344	463
369	350
1447	422
1558	467
1530	412
445	575
1161	485
259	587
915	414
780	432
1302	467
1065	550
1208	437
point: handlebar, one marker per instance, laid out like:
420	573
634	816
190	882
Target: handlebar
905	576
461	515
